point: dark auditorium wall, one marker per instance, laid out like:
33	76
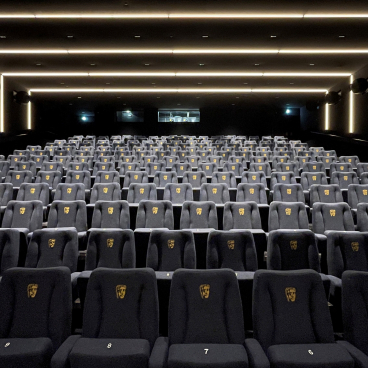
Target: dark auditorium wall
63	120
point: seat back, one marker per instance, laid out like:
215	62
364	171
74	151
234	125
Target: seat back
292	250
357	193
227	178
110	248
68	214
198	215
111	214
288	166
310	178
26	166
105	192
155	214
82	177
265	167
288	193
70	192
286	215
169	250
362	217
28	294
340	167
103	166
193	160
195	178
135	177
133	294
153	167
290	299
314	167
107	177
128	166
178	193
344	179
53	248
362	168
23	214
327	160
218	193
9	249
332	216
138	192
162	178
34	192
52	178
282	178
251	192
208	168
6	193
18	177
180	168
254	177
236	168
205	296
353	160
241	215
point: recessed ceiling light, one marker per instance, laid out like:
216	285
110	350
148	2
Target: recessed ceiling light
137	36
70	36
158	97
341	36
201	64
179	104
197	97
287	104
2	36
62	83
256	64
236	97
199	83
233	104
311	64
153	83
291	83
204	36
92	64
108	83
245	83
79	97
273	36
146	64
38	64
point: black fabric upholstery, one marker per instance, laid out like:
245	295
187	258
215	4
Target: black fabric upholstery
292	250
254	192
357	193
107	177
178	193
105	192
346	250
82	177
52	166
218	193
9	249
68	214
332	216
110	248
254	177
265	167
111	214
53	248
155	214
196	179
135	177
227	178
52	178
70	192
6	193
32	192
169	250
310	178
26	166
285	215
162	178
18	177
23	214
362	216
235	250
288	193
103	166
241	215
198	215
314	167
340	167
129	166
282	178
344	179
325	194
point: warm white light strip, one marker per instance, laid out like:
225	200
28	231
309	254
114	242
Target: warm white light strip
327	116
351	108
2	103
181	15
179	74
184	51
29	113
181	90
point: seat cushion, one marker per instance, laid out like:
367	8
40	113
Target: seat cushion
112	353
207	355
25	353
309	356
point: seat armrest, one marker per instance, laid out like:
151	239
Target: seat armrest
160	352
257	357
61	357
360	359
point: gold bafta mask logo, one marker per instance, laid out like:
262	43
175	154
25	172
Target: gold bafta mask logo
223	177
32	290
154	210
38	160
327	192
288	191
287	168
303	160
231	244
232	167
207	167
23	167
283	178
83	160
253	177
32	190
177	190
327	161
165	177
171	243
77	177
66	210
181	167
214	190
237	160
341	167
263	150
22	210
282	160
127	160
314	167
192	160
47	177
77	167
105	190
41	153
290	293
349	159
345	178
365	192
205	291
170	160
32	149
141	190
16	159
129	167
51	243
103	167
288	211
328	154
120	291
355	246
199	211
293	245
314	178
215	160
251	190
317	150
17	177
307	154
194	177
259	160
60	154
110	210
61	160
69	190
105	159
107	177
260	168
148	160
333	213
135	177
110	243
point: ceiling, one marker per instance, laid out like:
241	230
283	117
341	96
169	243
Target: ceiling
178	34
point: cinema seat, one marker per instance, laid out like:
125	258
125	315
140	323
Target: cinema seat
217	193
9	250
51	178
70	192
107	177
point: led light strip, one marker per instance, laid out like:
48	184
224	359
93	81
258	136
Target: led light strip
29	113
351	108
179	74
181	90
327	116
183	51
182	15
1	104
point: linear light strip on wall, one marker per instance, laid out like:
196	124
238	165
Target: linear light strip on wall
179	74
327	116
351	108
1	103
183	51
29	113
181	15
